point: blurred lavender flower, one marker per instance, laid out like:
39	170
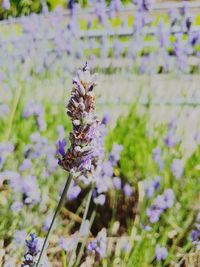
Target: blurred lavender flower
173	16
19	237
61	132
151	186
61	148
117	182
161	253
195	234
16	206
143	5
30	190
33	250
6	4
170	139
100	199
36	110
106	119
99	244
163	35
157	157
128	190
100	12
177	168
114	155
114	7
180	53
47	222
74	191
161	203
26	165
68	244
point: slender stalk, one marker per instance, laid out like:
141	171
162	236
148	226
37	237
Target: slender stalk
82	224
64	259
12	114
80	254
68	182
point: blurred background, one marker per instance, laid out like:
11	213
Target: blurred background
147	56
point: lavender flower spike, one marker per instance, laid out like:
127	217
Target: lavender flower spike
79	158
32	252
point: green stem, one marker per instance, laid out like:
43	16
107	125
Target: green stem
82	224
12	114
68	182
64	259
80	254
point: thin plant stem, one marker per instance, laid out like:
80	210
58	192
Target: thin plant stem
82	223
68	182
12	114
64	259
80	254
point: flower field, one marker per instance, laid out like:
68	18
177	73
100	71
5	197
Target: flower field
100	135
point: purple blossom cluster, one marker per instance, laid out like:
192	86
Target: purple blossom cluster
85	158
157	157
171	139
35	110
32	252
151	186
177	168
79	158
195	234
161	204
45	44
161	253
99	244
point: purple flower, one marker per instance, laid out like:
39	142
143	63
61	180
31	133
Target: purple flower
30	189
170	140
153	214
26	165
61	132
168	198
6	4
107	168
47	222
128	190
68	244
100	200
195	234
19	237
16	206
73	192
151	186
161	203
177	168
61	147
99	244
106	119
117	182
33	250
161	253
114	155
157	158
